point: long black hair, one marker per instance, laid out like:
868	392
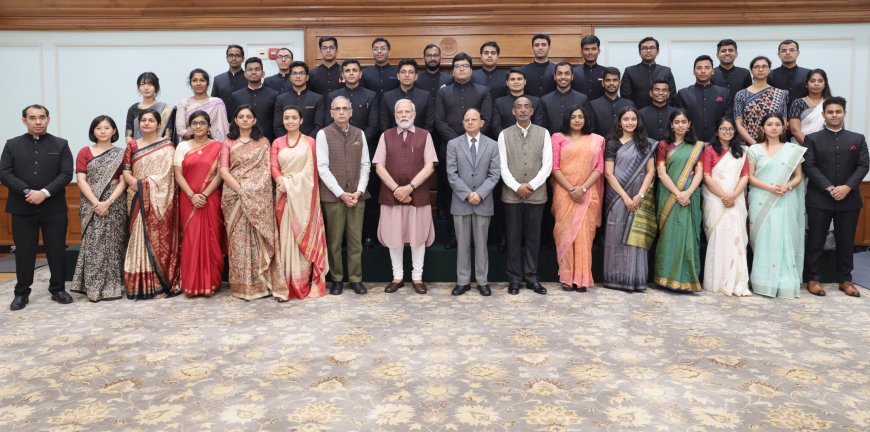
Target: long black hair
566	120
736	145
256	132
690	137
639	136
826	92
769	116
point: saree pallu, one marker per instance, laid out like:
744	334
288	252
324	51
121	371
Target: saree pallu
812	120
726	268
302	237
216	110
99	271
250	220
151	263
625	266
776	225
203	241
678	260
575	223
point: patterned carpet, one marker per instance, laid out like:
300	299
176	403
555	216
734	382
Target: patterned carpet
599	361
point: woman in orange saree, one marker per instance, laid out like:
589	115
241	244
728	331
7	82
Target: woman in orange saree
578	165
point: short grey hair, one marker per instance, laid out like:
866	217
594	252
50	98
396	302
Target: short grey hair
408	101
337	98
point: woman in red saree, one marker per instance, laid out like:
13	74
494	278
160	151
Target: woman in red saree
203	240
302	238
151	263
578	165
249	211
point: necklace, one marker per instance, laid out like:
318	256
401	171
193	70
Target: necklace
198	146
245	142
810	100
295	143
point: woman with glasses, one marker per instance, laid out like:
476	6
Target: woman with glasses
203	238
726	173
149	88
198	81
756	101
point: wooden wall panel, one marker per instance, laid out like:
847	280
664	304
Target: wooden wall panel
74	227
232	14
515	42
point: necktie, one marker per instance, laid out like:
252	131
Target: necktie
474	152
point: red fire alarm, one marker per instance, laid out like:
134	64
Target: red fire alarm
273	53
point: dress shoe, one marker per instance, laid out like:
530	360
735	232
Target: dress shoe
567	287
62	297
513	288
460	289
18	303
536	287
484	290
419	287
815	288
358	287
451	243
850	290
368	243
335	288
580	289
393	286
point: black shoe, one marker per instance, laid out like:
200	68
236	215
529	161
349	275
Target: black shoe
460	289
567	287
502	244
514	288
18	303
358	287
335	288
451	243
484	290
581	289
536	287
62	297
368	243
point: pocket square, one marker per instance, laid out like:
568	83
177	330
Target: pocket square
853	148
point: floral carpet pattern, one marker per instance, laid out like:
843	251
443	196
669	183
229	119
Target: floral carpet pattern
597	361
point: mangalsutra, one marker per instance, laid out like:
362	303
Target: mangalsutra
245	142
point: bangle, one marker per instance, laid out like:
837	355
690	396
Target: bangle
397	187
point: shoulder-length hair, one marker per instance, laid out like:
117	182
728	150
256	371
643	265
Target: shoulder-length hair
639	136
587	120
736	144
99	119
690	137
256	132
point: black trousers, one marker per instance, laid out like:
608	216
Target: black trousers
444	190
25	234
523	229
845	223
372	215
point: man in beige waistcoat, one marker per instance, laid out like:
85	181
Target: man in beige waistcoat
343	165
526	156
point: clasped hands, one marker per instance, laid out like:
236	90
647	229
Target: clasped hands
839	193
350	199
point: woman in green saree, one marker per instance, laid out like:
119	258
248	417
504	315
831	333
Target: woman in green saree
776	212
678	164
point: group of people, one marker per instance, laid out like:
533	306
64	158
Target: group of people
277	175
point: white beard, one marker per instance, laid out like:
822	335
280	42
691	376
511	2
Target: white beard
405	124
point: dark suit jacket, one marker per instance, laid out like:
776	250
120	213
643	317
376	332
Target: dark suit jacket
366	106
452	101
424	105
312	111
503	113
262	102
834	159
705	105
46	164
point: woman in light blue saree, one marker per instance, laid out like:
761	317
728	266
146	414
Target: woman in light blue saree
776	212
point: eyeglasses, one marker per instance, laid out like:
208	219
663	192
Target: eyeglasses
726	129
199	123
327	48
380	49
341	109
462	66
284	57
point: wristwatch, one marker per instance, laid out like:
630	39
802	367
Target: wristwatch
641	195
25	191
583	189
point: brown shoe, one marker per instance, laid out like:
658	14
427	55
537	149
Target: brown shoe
815	288
393	287
419	288
849	289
